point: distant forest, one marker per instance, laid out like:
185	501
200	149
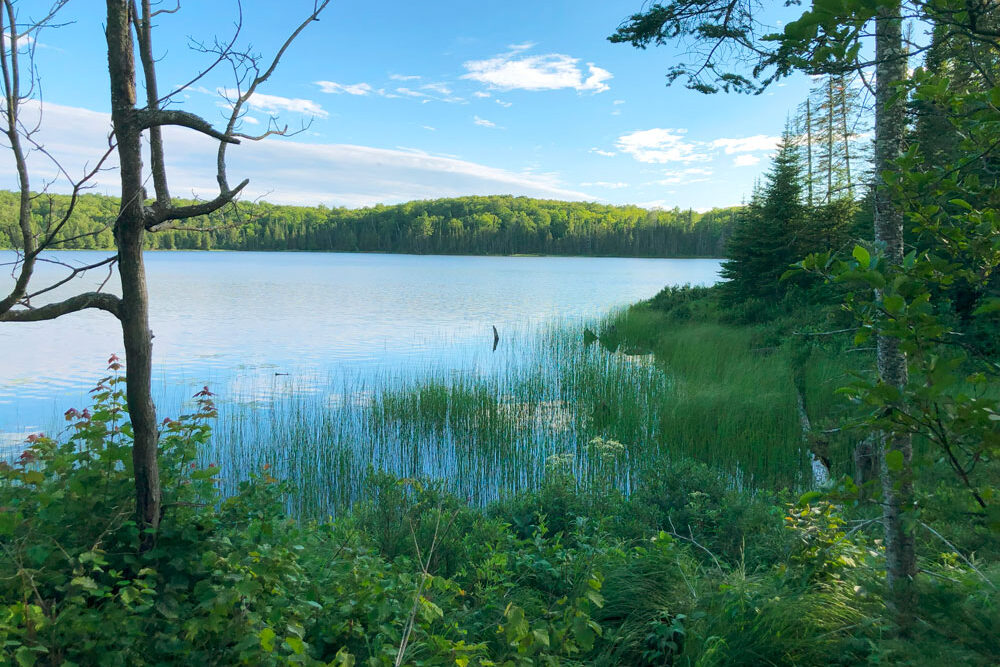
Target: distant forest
495	225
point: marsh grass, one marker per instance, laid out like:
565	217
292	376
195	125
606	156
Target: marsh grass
489	431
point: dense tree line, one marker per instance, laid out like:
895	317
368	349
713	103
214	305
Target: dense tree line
495	225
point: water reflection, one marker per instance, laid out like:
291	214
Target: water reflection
240	321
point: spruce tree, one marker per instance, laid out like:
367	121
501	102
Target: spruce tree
772	234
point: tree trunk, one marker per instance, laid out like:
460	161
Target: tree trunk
809	149
847	135
129	234
829	138
897	482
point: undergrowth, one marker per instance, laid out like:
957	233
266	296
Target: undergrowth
687	570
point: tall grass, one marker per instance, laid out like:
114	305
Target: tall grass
490	430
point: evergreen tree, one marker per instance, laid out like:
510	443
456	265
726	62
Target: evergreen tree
773	231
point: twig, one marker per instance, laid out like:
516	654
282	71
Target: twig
960	555
690	538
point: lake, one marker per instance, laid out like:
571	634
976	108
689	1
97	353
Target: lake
252	324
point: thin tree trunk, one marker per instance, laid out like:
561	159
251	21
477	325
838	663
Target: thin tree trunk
129	235
829	138
897	482
809	149
846	135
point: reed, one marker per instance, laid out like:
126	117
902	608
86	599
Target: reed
708	394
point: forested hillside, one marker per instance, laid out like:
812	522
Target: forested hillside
495	225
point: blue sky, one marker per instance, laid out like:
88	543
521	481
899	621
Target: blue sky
407	100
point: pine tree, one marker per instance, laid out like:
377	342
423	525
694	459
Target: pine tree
773	232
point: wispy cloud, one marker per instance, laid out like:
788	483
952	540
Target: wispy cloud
598	151
275	104
348	88
685	176
758	142
439	92
553	71
291	172
482	122
665	145
439	88
604	184
404	77
409	92
505	105
661	145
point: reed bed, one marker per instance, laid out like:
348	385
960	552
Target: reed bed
605	412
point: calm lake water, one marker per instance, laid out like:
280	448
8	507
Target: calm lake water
238	321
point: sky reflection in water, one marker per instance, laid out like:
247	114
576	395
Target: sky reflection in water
239	321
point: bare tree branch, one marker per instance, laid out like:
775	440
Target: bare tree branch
98	300
151	118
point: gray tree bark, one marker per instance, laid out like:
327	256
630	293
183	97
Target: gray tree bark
897	484
130	233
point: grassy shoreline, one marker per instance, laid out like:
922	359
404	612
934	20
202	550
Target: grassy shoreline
625	534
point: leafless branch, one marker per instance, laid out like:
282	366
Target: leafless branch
87	300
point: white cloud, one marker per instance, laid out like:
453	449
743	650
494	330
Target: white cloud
404	77
656	204
439	88
483	122
349	88
286	171
429	128
745	160
617	102
275	104
664	145
481	93
553	71
505	105
604	153
523	46
661	145
685	176
409	92
758	142
604	184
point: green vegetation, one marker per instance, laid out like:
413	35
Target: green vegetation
715	393
497	225
646	493
684	570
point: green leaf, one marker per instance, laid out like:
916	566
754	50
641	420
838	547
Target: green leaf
894	460
267	639
24	656
33	477
862	255
297	645
84	582
894	304
807	498
990	305
583	633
